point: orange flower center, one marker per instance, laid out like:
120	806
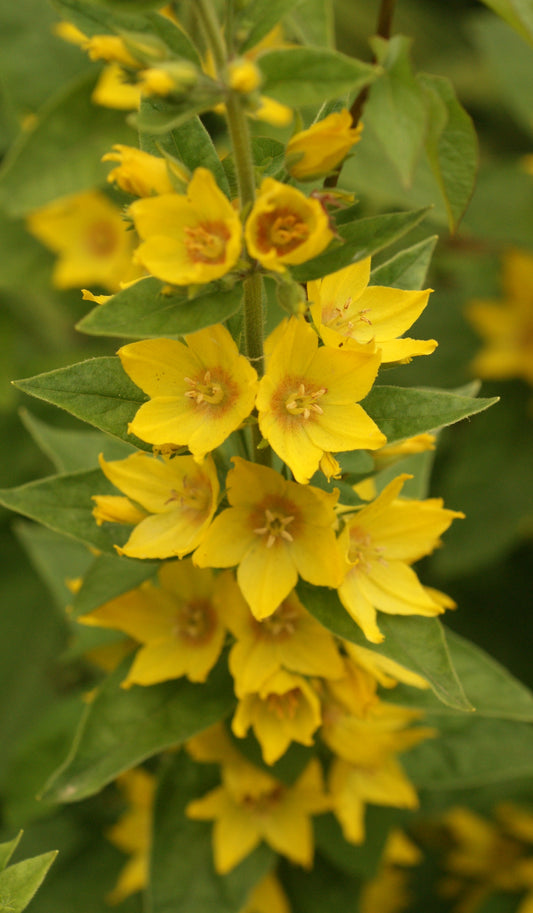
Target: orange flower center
361	551
213	388
284	706
281	229
275	527
264	802
303	401
206	390
193	496
195	622
206	242
101	239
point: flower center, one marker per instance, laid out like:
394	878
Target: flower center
284	706
275	527
194	622
101	239
348	322
264	802
281	624
206	242
193	496
361	551
205	390
304	401
281	229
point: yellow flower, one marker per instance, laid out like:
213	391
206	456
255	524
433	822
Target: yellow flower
288	639
90	237
251	806
285	227
274	531
271	112
380	541
506	326
243	76
179	497
114	91
177	76
307	400
285	709
189	239
419	443
132	833
141	174
348	311
199	392
110	48
315	152
180	624
267	897
386	671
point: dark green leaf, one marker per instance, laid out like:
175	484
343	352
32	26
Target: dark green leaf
402	412
72	450
142	311
417	643
97	391
7	849
408	268
60	154
308	76
55	558
518	13
182	873
120	728
257	18
509	61
19	882
108	577
325	886
361	861
159	120
361	239
451	146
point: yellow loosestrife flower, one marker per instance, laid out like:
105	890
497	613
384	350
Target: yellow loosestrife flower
243	76
132	833
180	624
89	235
188	239
252	806
506	326
347	311
110	48
200	391
267	897
307	400
274	531
380	542
114	91
285	227
386	671
179	497
318	150
140	173
285	709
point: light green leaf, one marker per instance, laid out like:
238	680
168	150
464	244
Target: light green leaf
60	154
63	503
182	849
72	450
142	310
55	558
257	18
361	238
19	882
402	412
7	849
97	391
314	23
159	119
518	13
121	728
408	268
417	643
451	146
508	60
308	76
397	107
107	577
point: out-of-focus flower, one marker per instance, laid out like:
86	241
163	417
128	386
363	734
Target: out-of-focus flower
319	149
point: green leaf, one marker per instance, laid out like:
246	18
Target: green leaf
397	107
314	23
308	76
417	643
60	154
451	146
508	59
19	882
257	18
361	239
63	503
97	391
408	268
7	849
109	576
72	450
121	728
142	310
361	861
55	558
160	119
182	873
402	412
324	887
518	13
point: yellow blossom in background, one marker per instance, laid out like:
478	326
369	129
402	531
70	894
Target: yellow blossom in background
132	833
506	326
347	311
275	531
318	150
284	710
251	806
380	542
188	239
180	623
289	639
89	236
200	391
267	897
142	174
272	112
110	48
178	496
386	671
388	891
285	227
307	400
243	75
113	90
